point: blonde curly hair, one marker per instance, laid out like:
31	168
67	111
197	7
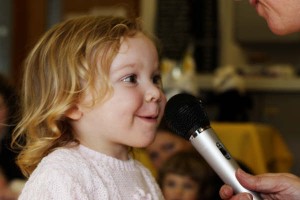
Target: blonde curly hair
70	58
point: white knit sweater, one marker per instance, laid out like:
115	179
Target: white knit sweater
79	173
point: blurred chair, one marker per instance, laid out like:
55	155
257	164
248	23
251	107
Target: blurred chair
258	146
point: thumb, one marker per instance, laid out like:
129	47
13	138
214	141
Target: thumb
249	181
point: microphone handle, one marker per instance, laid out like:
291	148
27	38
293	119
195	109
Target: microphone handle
217	156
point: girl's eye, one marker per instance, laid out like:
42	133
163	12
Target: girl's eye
188	186
170	183
168	147
130	79
157	80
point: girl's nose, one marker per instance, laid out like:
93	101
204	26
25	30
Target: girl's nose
153	94
178	191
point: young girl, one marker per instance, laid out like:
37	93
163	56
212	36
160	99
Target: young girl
187	176
91	91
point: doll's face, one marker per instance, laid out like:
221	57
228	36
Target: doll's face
178	187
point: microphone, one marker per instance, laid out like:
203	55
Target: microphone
185	116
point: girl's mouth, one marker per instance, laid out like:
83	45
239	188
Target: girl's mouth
150	118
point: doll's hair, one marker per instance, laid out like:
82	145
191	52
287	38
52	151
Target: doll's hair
71	58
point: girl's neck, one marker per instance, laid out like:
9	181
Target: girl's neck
120	152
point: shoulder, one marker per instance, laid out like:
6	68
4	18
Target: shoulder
64	162
142	168
61	174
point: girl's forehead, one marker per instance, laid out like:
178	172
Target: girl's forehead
138	48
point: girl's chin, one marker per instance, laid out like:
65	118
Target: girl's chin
144	142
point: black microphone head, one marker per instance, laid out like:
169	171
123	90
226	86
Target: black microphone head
184	114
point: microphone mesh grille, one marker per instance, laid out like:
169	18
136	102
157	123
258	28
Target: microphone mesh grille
184	114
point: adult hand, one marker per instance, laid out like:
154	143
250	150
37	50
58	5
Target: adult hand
271	186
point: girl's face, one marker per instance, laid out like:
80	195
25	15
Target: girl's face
282	16
131	113
177	187
164	146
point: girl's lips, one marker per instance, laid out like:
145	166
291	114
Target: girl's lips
150	118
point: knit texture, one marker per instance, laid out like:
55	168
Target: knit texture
79	173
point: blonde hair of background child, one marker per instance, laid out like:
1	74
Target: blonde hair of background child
71	58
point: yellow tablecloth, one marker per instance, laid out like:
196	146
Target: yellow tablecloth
259	146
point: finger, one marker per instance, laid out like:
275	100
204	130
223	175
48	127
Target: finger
226	192
262	183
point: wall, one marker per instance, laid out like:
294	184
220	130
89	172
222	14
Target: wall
230	51
5	36
147	13
28	25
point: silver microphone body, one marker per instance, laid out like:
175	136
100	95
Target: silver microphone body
185	116
207	143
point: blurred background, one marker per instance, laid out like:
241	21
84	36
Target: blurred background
218	50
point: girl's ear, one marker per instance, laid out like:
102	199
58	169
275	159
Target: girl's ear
74	113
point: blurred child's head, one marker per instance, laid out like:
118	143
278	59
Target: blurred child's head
70	65
8	104
187	176
166	144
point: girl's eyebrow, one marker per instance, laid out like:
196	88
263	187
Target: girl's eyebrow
123	67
